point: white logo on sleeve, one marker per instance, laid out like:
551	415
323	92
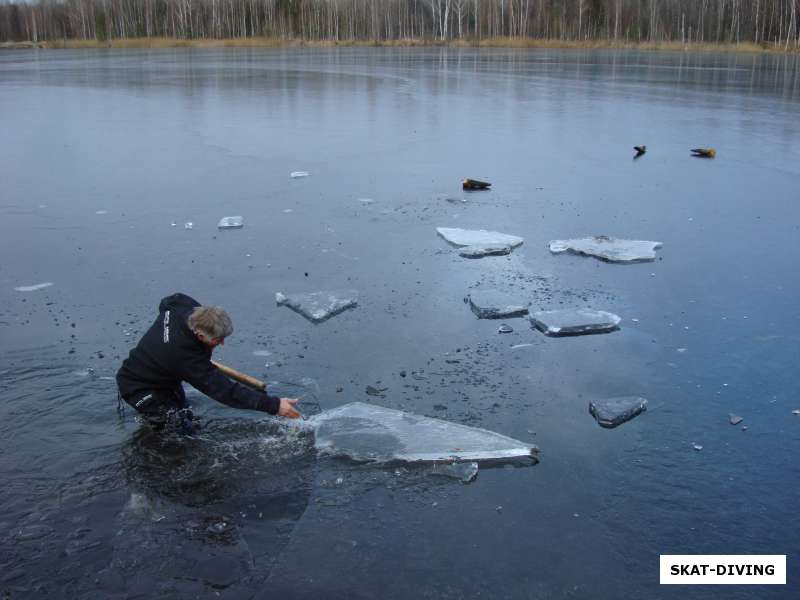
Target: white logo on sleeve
166	327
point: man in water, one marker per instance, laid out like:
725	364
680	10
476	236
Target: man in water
178	348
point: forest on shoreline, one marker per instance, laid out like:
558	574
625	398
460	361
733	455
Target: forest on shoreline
695	24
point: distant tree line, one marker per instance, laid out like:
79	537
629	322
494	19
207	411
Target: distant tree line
725	21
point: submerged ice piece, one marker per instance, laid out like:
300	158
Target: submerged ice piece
491	304
615	411
365	432
319	306
481	250
478	237
572	321
465	472
609	249
231	223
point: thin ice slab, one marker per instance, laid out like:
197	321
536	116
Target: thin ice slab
572	321
615	411
491	304
478	237
609	249
231	223
369	433
481	250
33	288
319	306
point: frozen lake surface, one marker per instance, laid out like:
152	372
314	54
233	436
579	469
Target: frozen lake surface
106	153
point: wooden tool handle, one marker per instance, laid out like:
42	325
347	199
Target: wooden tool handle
241	377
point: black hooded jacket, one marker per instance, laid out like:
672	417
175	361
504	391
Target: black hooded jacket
170	353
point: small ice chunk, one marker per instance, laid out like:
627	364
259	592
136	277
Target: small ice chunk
612	412
518	346
608	248
492	304
262	353
231	223
796	412
481	250
188	225
319	306
366	432
505	329
697	447
101	212
465	472
735	419
298	174
479	237
366	201
33	288
574	321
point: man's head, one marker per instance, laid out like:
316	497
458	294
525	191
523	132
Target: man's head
211	324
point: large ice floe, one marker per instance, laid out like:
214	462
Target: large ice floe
491	304
574	321
615	411
478	237
369	433
319	306
608	248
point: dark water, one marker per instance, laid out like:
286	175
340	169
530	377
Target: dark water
92	506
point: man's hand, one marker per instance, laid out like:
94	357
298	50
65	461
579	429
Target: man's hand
287	408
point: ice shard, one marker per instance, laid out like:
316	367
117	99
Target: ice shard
478	237
615	411
608	248
33	288
491	304
319	306
231	223
369	433
481	250
573	321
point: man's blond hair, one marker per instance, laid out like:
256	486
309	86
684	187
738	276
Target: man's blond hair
212	321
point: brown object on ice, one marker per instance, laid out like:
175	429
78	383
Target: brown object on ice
474	184
704	152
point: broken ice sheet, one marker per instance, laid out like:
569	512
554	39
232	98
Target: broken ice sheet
231	223
481	250
491	304
33	288
319	306
615	411
608	248
465	472
369	433
572	321
478	237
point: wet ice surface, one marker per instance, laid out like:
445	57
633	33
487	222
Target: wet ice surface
479	237
577	321
254	507
365	432
612	412
609	249
230	223
492	304
319	306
